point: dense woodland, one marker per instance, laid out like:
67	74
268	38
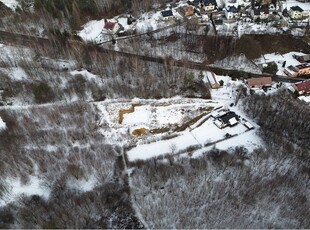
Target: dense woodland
54	136
61	146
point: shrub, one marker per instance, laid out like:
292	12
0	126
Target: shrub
43	93
271	68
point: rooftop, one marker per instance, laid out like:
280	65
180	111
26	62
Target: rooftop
259	82
303	86
232	9
229	118
297	8
167	13
109	25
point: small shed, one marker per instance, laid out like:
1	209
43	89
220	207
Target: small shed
248	125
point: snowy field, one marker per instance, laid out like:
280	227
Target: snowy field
10	3
203	135
16	189
239	62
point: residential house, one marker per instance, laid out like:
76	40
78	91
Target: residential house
217	15
303	87
298	70
209	5
259	82
303	69
189	11
167	14
302	58
231	12
296	12
112	27
261	14
218	22
226	119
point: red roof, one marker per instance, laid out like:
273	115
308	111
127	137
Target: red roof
303	86
259	82
109	25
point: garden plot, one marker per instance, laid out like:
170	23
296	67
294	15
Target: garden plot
143	121
204	135
154	113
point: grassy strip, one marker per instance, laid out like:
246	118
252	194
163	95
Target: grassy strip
160	130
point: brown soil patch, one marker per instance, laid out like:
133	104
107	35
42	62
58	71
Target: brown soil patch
140	132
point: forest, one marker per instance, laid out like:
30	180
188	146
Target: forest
55	134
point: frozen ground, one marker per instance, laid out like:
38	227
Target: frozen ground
2	124
15	189
203	135
10	3
238	62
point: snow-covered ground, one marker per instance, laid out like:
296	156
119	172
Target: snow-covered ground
94	30
239	62
205	134
2	124
305	99
82	185
15	189
10	3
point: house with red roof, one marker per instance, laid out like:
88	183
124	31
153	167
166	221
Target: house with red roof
303	87
112	27
259	82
